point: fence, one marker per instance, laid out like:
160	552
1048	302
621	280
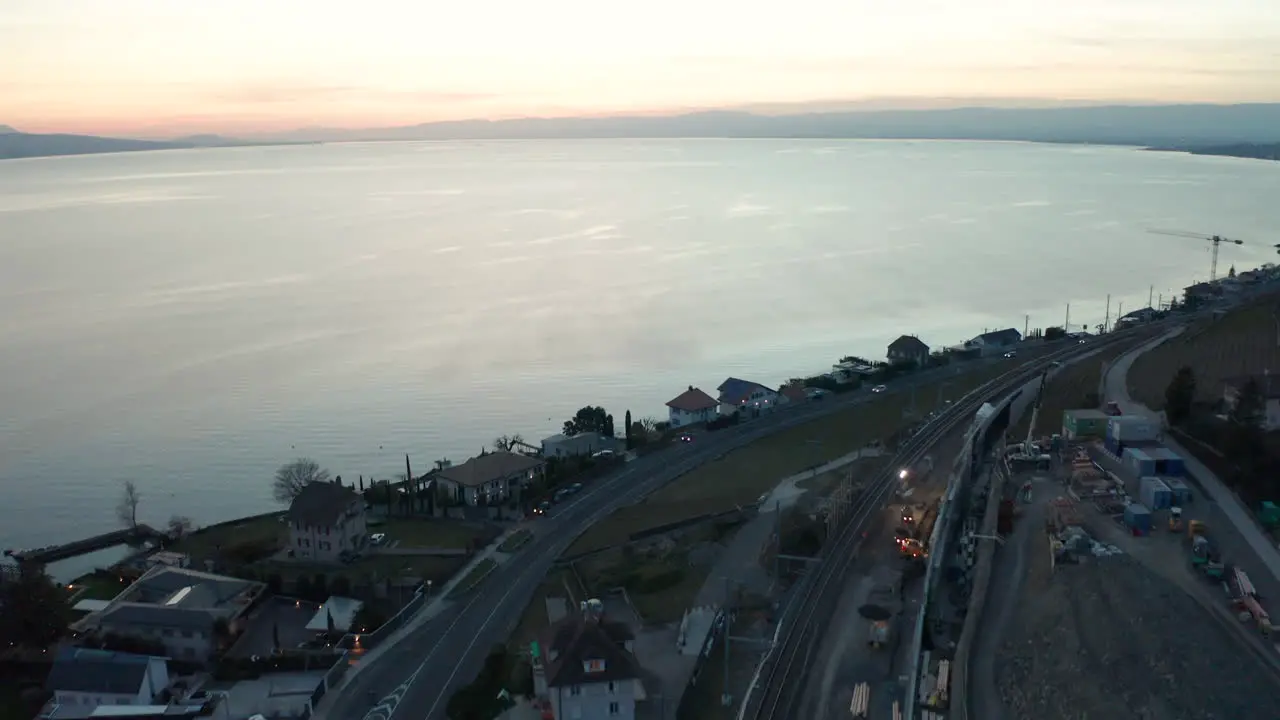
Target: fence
370	640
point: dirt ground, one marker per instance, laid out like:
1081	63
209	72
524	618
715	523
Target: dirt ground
1069	389
1244	342
741	476
1108	639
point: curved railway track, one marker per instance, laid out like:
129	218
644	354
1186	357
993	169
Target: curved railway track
785	668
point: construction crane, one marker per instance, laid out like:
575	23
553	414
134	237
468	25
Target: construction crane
1216	240
1027	451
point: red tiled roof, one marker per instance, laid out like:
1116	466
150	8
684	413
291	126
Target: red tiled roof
794	392
692	400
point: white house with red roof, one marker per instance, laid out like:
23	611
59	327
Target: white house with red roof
691	407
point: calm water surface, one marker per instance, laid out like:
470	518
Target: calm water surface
192	319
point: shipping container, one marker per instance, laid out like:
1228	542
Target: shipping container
1181	492
1131	429
1168	462
1154	493
1138	462
1113	446
1137	518
1084	423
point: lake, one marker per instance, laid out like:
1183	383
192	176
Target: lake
191	320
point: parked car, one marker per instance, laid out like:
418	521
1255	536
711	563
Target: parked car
605	455
879	389
378	538
542	508
560	495
1011	353
576	487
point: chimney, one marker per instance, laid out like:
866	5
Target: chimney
690	387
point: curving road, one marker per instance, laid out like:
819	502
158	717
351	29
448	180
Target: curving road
415	677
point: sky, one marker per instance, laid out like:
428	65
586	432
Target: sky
171	67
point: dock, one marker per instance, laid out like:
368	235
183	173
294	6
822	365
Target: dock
53	553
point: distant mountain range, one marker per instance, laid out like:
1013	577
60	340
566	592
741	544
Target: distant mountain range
15	144
1173	127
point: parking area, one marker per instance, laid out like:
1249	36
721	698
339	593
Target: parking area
286	618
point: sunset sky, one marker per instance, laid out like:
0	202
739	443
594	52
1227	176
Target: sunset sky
157	67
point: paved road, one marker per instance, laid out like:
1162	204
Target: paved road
415	678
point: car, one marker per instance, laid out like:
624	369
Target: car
1011	353
605	455
686	437
879	389
1056	363
1083	341
542	508
378	538
576	487
560	495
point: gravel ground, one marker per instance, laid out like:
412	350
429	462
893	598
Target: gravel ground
1110	640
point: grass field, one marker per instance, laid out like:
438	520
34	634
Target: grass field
1070	388
431	533
741	476
1244	342
203	544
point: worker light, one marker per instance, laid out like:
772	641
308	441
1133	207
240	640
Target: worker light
902	474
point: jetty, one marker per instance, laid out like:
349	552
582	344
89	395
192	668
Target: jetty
53	553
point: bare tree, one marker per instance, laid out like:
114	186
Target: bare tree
505	443
127	508
180	525
292	477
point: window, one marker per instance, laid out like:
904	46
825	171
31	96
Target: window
594	665
614	709
612	688
575	690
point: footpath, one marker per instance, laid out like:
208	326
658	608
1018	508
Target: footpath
1117	390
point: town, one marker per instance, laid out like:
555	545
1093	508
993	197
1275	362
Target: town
645	571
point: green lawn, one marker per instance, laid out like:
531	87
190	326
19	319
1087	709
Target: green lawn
203	544
474	577
96	587
516	540
430	533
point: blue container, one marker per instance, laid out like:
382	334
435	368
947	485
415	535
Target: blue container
1168	462
1137	518
1153	493
1138	462
1181	493
1113	446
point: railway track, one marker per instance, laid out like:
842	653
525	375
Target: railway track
786	666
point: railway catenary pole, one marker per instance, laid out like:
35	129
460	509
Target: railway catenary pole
794	641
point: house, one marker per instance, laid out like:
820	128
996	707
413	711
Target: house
996	341
326	522
188	612
82	680
691	407
1268	386
489	478
909	349
791	394
584	668
745	396
587	443
850	370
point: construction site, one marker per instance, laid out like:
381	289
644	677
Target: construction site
1118	591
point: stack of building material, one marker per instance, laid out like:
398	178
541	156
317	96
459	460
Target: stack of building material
860	706
1153	493
1063	514
1137	518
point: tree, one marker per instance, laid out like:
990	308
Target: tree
127	508
1179	395
292	477
1054	333
1250	407
626	428
180	526
587	419
35	611
504	443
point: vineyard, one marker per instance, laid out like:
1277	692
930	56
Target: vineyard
1246	341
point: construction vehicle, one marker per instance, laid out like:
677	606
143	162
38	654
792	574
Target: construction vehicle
1028	451
1215	240
879	615
1175	519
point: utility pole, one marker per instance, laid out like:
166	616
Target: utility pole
1150	290
1106	320
1066	324
1026	325
1120	311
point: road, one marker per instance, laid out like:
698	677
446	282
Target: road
415	678
786	671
